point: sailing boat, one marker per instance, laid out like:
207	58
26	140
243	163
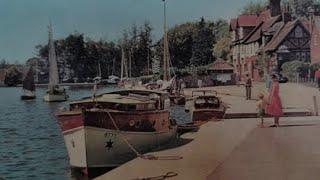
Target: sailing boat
28	86
112	79
54	93
167	80
124	74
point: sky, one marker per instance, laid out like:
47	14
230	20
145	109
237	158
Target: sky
23	23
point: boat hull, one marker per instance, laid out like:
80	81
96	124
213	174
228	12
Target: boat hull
207	114
93	141
26	97
92	147
55	97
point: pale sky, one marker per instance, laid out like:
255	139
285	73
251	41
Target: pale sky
23	23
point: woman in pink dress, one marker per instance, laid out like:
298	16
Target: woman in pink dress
274	108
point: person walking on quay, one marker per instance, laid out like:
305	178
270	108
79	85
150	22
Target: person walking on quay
317	76
248	86
274	107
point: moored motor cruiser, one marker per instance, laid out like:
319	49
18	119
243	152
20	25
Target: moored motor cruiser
103	132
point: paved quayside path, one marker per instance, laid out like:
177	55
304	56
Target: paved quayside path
238	149
294	96
291	152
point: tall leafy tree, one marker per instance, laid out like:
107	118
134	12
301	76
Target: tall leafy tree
203	38
254	7
300	8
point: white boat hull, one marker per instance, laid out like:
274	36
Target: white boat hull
55	98
90	147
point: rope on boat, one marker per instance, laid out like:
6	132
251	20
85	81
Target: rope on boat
123	137
166	176
142	156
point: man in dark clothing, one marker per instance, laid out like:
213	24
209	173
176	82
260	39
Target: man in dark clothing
248	86
317	76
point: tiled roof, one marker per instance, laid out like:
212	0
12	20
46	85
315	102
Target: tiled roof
266	25
255	34
281	34
220	64
247	20
244	20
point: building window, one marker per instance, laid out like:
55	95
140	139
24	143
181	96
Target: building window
303	56
298	32
298	57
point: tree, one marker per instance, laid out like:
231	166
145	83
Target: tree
293	68
203	38
222	48
13	77
3	64
300	8
254	7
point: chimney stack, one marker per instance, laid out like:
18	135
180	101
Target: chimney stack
275	7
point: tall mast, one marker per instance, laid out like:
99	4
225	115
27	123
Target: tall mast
166	69
99	66
113	66
122	63
37	71
53	67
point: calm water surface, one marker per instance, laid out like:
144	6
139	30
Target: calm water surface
31	144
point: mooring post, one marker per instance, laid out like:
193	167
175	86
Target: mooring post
315	104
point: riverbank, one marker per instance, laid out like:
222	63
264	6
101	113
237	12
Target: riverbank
238	148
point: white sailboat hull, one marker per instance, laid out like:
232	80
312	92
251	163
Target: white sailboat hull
55	97
90	147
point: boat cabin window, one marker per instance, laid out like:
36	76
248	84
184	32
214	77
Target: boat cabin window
134	107
207	102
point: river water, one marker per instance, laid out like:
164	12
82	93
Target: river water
31	144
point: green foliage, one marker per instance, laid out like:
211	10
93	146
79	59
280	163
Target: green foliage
315	67
3	64
190	44
295	67
300	7
203	38
13	76
254	7
222	48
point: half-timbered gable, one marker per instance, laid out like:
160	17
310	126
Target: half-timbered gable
292	42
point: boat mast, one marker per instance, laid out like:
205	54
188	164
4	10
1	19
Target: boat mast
166	70
37	71
122	61
99	69
113	66
53	67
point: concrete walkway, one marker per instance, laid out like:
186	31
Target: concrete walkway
291	152
294	96
237	149
208	149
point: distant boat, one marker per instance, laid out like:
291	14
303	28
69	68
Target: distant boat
54	93
28	86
